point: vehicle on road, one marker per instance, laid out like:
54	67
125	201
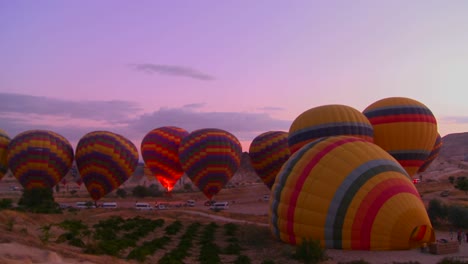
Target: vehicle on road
143	206
219	206
85	205
444	193
109	205
190	203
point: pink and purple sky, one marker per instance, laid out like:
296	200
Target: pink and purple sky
244	66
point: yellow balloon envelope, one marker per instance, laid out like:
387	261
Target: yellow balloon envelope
405	128
326	121
347	193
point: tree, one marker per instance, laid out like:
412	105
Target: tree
121	193
39	200
458	216
436	211
140	191
462	184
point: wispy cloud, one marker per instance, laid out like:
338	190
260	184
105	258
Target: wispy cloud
270	108
194	105
174	70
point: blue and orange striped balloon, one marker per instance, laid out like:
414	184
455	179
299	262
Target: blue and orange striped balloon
105	160
405	128
347	193
433	155
327	121
210	157
268	152
4	141
39	158
160	151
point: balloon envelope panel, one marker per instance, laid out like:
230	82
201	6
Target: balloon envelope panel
4	141
268	152
39	158
433	155
160	151
405	128
210	157
105	160
347	193
326	121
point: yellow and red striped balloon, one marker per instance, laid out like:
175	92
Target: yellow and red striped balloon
39	158
210	157
160	151
347	193
4	141
326	121
268	152
105	160
405	128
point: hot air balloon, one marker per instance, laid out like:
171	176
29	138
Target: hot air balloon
326	121
405	128
268	152
434	153
4	141
347	193
105	160
160	151
210	157
39	158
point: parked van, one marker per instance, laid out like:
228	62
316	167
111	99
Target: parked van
143	206
84	205
219	206
190	203
109	205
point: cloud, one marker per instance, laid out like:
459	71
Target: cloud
454	119
172	70
245	126
74	119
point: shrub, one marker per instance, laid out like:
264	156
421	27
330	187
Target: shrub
450	260
458	216
6	203
242	259
268	261
310	252
361	261
140	191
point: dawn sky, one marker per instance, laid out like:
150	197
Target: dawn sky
244	66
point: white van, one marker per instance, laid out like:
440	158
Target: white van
219	206
143	206
84	205
190	203
109	205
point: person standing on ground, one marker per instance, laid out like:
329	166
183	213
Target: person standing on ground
451	234
459	236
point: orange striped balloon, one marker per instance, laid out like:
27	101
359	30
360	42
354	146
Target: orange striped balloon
39	158
105	160
210	157
268	152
